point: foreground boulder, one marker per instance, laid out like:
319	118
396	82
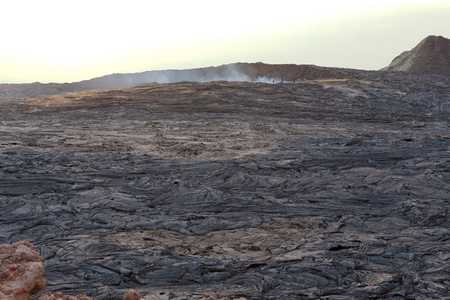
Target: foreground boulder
21	271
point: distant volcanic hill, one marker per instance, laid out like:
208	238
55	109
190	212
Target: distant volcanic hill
430	56
258	72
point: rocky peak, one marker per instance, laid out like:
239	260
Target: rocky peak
430	56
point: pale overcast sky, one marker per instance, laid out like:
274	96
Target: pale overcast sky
65	41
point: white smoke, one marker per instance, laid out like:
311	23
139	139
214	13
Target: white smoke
265	79
230	72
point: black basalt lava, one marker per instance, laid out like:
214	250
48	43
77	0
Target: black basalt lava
239	189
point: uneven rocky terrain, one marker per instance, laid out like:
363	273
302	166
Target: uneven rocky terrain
333	188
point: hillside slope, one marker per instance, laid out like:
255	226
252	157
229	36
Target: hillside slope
430	56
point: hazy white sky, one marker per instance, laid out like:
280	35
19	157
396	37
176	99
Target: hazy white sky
64	41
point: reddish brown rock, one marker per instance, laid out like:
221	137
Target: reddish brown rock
21	271
353	142
132	295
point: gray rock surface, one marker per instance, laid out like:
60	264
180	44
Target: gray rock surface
331	189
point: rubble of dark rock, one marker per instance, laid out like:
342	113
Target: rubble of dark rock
22	275
61	296
326	188
131	295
